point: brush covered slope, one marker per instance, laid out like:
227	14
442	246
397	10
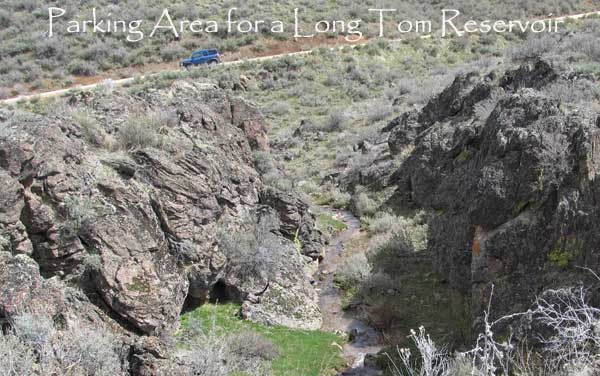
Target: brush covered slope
32	62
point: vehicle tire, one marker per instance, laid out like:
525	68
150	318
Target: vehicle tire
212	62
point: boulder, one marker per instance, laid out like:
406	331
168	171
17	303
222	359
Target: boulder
286	297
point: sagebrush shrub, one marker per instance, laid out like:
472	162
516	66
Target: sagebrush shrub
211	352
78	210
379	111
89	351
534	47
363	205
400	230
252	251
37	332
434	361
143	131
91	129
382	222
82	68
279	108
17	357
251	346
568	343
581	92
333	196
353	271
336	121
34	346
271	175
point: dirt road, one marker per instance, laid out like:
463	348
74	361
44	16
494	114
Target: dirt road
123	81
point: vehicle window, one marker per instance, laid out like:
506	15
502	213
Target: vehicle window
213	52
204	53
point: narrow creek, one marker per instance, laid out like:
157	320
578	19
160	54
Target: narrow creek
363	339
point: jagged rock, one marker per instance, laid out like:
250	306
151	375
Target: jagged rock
285	298
373	170
150	357
137	229
406	127
528	76
457	100
296	220
251	122
24	290
123	166
510	193
12	231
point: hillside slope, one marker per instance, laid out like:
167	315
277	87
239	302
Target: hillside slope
30	61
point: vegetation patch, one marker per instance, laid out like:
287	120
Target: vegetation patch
352	272
463	156
560	258
399	298
332	196
329	225
564	251
299	352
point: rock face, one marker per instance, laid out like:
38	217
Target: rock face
511	177
136	227
285	297
24	287
298	224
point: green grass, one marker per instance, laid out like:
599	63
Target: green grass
328	224
301	352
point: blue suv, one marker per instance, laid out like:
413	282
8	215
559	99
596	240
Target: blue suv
202	57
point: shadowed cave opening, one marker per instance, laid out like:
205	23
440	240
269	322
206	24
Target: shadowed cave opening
223	293
220	293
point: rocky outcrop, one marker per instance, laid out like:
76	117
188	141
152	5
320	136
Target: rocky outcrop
133	225
510	175
297	223
285	297
13	236
274	280
24	288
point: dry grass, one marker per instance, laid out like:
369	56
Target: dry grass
33	346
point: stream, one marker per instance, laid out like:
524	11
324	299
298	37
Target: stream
363	340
